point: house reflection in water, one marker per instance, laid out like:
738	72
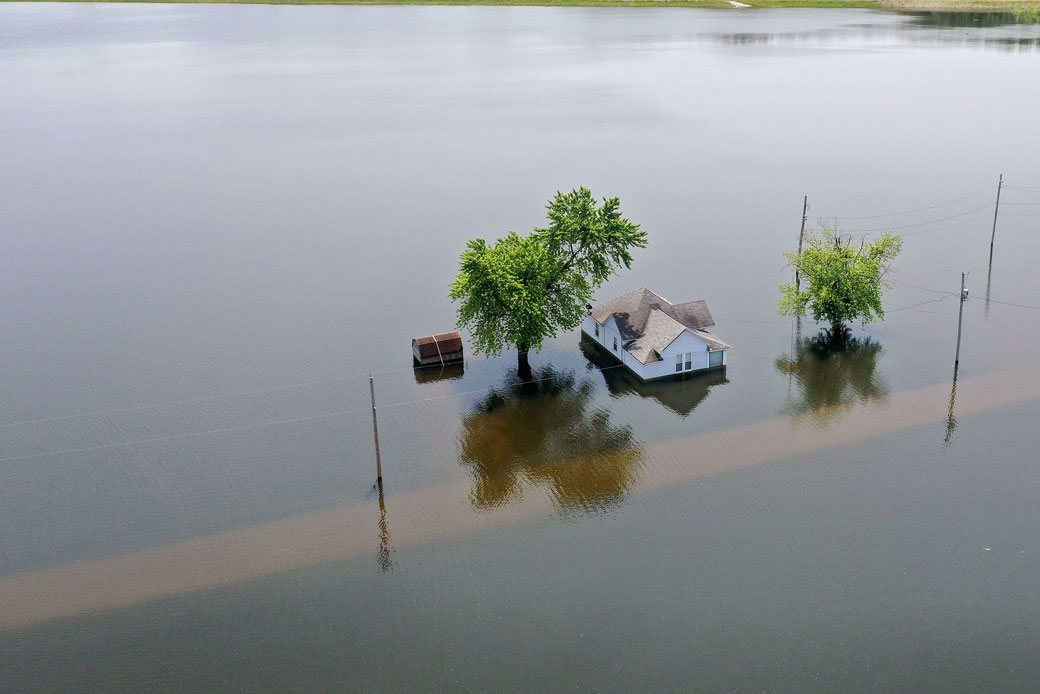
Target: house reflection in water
681	393
547	433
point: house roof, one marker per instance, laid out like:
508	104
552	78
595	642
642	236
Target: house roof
435	345
651	323
632	310
659	332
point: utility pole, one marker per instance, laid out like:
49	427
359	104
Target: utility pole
801	233
996	209
960	318
375	432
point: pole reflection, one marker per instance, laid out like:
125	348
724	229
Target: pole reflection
386	550
951	420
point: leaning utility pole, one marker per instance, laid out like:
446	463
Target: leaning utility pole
801	233
996	209
960	318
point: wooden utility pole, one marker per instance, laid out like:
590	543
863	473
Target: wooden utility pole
801	234
960	318
996	209
375	432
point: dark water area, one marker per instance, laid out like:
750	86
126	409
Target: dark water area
216	221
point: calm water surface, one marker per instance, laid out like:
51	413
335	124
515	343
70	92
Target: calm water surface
215	221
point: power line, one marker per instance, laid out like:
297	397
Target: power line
757	322
210	398
180	436
479	390
937	291
942	228
913	306
924	289
189	401
1008	303
920	209
258	425
932	221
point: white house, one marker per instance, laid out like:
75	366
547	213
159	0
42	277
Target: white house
654	337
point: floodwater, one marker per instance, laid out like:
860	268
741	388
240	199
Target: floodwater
215	221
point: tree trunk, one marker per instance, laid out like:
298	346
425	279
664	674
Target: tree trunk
523	366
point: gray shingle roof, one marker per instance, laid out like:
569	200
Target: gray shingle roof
652	322
659	332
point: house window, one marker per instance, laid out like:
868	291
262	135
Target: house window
678	363
615	344
597	329
689	360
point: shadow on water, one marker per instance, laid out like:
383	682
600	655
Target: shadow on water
1002	31
681	393
547	433
974	20
451	371
832	375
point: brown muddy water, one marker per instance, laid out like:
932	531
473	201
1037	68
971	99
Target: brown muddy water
217	220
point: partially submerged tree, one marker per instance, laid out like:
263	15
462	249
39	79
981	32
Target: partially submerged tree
524	289
844	278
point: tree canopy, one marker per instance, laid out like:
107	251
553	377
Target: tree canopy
844	278
524	289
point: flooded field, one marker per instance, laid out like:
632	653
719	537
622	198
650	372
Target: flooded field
218	220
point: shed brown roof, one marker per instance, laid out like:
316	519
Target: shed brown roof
442	344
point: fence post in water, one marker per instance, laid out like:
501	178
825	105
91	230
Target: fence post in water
375	432
960	318
996	209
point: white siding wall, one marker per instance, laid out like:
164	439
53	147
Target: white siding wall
687	342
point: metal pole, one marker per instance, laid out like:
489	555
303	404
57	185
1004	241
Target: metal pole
375	432
960	318
801	233
1000	184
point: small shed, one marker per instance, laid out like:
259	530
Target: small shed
437	349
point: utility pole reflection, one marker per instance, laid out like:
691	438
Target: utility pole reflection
386	564
951	421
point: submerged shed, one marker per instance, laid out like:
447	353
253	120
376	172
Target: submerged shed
437	349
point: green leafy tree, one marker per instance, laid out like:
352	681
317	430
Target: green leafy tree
524	289
844	279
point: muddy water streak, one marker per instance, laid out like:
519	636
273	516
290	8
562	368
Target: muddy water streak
440	512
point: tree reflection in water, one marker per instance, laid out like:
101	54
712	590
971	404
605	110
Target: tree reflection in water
832	375
547	433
